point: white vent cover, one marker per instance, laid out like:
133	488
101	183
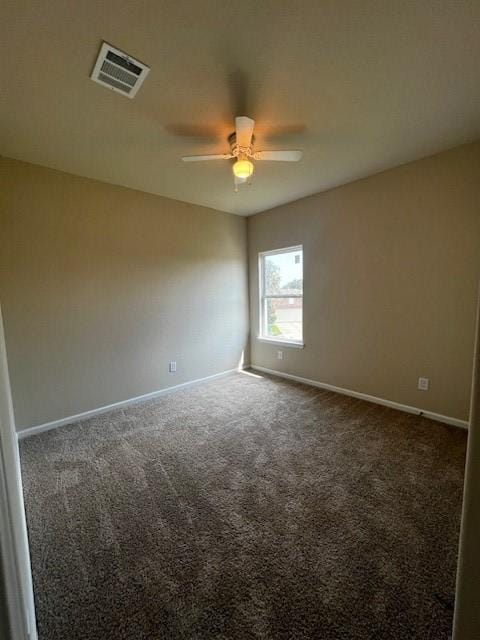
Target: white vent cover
118	71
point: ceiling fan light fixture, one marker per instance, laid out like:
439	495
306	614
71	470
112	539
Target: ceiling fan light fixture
242	153
243	168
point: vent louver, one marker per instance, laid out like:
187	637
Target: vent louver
119	71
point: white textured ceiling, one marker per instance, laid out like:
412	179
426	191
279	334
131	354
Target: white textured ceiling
360	86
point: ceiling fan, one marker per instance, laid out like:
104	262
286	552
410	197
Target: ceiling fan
241	150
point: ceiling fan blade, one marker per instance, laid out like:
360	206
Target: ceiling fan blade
282	156
244	130
215	156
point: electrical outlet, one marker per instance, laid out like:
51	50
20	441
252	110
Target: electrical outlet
172	366
423	384
279	355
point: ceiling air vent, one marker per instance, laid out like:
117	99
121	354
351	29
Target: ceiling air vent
119	71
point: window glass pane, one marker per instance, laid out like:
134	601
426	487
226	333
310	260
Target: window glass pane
283	318
283	273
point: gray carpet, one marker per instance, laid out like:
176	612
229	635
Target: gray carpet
245	508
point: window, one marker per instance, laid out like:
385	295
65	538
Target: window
281	295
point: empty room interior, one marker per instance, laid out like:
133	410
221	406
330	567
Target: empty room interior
239	270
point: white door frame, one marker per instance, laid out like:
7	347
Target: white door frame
466	620
13	528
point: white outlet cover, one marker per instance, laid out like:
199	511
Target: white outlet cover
423	384
280	355
172	367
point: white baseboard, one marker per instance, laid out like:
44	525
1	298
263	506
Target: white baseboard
31	431
363	396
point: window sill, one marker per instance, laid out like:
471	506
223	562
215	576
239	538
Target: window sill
284	343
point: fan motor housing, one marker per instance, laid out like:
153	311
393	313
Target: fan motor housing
232	141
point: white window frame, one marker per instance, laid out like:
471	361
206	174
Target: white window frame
262	298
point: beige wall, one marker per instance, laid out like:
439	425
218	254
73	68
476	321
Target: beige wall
391	270
101	286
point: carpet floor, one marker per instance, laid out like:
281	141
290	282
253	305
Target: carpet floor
245	508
